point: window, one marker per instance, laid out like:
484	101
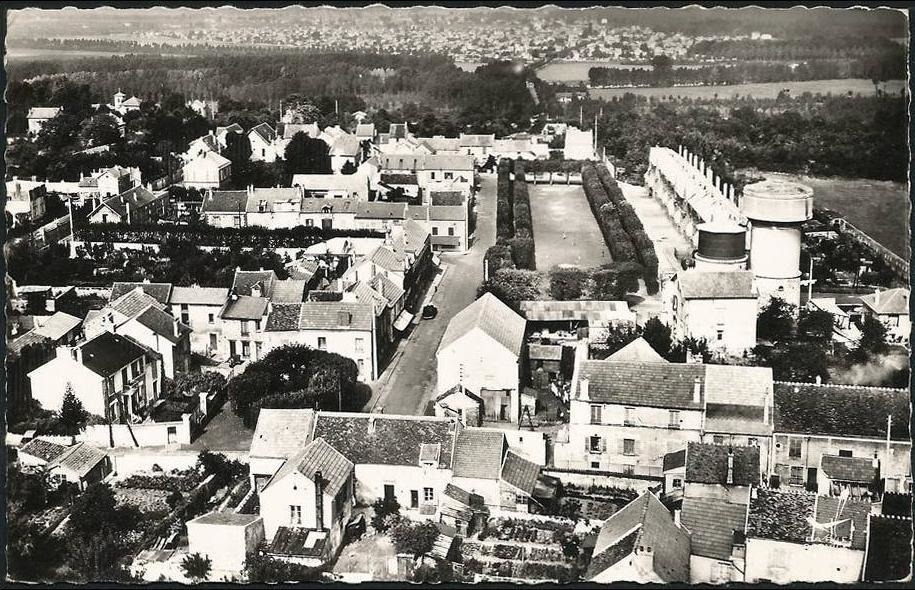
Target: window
214	344
124	379
629	420
428	494
309	223
797	475
257	325
844	453
104	218
677	483
596	414
245	348
450	231
245	328
752	441
449	175
185	314
432	175
434	231
263	152
719	334
360	345
595	444
211	318
595	464
520	499
295	514
360	364
794	448
718	439
322	343
236	221
674	419
629	446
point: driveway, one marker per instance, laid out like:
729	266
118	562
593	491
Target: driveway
409	381
565	231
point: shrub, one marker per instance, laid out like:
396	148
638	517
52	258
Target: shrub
196	566
382	509
498	257
568	283
523	253
513	285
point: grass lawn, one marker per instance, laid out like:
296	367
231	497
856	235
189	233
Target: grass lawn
565	231
878	207
758	90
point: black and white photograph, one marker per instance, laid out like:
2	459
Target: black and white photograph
457	293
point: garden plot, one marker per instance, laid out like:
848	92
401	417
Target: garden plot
150	493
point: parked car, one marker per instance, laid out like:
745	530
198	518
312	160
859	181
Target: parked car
429	312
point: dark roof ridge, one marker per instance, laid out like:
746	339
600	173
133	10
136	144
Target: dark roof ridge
844	385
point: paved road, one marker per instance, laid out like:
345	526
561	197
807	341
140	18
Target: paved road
409	381
564	227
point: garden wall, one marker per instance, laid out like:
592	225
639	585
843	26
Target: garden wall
126	462
147	435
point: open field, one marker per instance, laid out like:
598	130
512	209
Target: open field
761	90
23	54
565	231
878	207
577	71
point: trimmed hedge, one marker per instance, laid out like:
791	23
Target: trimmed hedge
523	253
537	166
207	235
504	223
498	257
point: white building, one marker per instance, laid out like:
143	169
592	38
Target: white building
207	170
579	145
38	116
891	308
227	539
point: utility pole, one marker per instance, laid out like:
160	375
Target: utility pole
72	237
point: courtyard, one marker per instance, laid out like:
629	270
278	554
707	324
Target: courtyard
565	231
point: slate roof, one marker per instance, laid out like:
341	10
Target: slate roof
852	469
265	131
464	497
245	280
637	351
132	303
447	198
317	456
712	523
227	519
697	284
658	385
736	419
520	472
158	291
138	197
892	302
245	308
708	463
656	529
297	541
476	140
738	385
328	315
224	202
387	259
365	130
27	339
388	289
162	323
398	179
280	433
345	145
379	210
895	504
198	296
396	440
57	326
853	511
674	460
590	311
107	353
490	316
889	549
780	516
270	197
288	291
841	410
42	449
80	459
479	453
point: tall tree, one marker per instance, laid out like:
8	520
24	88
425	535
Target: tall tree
658	335
306	155
73	416
776	320
99	130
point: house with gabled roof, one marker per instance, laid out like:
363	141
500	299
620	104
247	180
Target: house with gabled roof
278	435
814	420
264	144
482	349
306	504
135	205
198	308
206	168
717	539
797	536
891	308
859	477
81	464
641	543
704	470
38	116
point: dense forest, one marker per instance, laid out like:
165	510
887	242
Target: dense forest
814	46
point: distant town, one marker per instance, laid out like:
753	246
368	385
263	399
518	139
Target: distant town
386	302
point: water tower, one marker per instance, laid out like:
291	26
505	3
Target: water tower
722	246
776	209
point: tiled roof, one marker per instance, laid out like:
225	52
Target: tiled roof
891	302
430	453
365	130
658	385
479	453
288	291
780	516
264	200
889	549
107	353
708	463
133	303
414	236
398	179
388	289
335	315
449	162
245	307
265	131
297	541
841	410
590	311
284	317
378	210
367	295
476	140
161	323
351	183
674	460
387	259
736	419
655	529
447	198
159	291
520	472
464	497
227	519
637	351
42	449
738	385
80	459
712	523
395	440
856	469
310	129
57	326
346	145
852	511
29	338
697	284
448	213
198	295
317	457
490	316
224	202
138	197
280	433
245	280
896	504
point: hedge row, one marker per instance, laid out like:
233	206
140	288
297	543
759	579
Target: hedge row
207	235
503	201
523	242
537	166
498	257
605	212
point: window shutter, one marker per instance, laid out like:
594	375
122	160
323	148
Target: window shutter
587	444
622	447
635	446
603	444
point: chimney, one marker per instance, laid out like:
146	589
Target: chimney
677	518
250	190
233	294
583	390
697	390
175	326
730	477
127	204
319	501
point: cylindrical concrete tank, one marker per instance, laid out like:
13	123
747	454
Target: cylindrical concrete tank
776	209
722	246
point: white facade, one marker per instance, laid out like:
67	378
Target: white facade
784	563
207	170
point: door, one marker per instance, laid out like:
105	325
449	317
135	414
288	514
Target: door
414	498
172	434
213	344
231	348
388	491
327	223
811	479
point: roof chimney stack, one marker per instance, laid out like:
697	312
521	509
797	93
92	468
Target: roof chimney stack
697	390
319	501
583	390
